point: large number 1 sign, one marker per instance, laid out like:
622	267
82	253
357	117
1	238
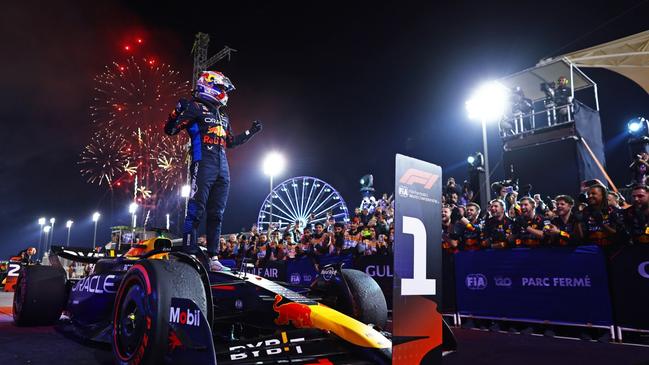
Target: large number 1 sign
419	284
417	324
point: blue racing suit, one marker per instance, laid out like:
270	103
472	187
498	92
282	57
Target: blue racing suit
210	134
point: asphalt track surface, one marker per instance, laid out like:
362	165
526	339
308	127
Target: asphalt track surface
45	345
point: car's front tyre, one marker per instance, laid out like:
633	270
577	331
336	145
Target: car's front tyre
142	306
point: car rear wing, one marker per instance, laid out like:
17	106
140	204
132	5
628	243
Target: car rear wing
83	255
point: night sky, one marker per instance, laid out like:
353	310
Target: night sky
340	89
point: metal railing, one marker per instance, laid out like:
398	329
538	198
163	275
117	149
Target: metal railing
550	115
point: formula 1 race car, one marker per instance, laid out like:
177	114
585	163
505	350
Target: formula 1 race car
158	304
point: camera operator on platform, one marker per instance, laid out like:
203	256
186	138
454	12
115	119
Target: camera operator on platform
562	98
522	107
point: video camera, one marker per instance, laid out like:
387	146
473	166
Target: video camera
548	89
510	185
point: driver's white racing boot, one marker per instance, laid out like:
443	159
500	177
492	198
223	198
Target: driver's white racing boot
215	265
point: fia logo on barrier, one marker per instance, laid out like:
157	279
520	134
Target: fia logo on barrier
295	278
476	281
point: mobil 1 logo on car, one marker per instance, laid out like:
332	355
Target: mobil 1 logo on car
185	312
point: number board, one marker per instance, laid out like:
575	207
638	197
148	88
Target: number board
417	324
13	272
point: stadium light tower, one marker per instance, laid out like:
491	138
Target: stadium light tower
46	229
41	222
132	208
273	165
95	218
487	104
68	225
52	220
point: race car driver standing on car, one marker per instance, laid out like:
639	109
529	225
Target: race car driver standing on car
210	133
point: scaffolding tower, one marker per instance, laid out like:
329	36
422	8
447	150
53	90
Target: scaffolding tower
201	62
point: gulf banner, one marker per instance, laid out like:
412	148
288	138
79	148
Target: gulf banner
417	323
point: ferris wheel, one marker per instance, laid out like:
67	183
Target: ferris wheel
305	199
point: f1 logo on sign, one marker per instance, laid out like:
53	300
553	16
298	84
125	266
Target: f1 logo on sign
414	176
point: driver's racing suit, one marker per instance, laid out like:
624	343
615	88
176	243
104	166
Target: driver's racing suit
210	133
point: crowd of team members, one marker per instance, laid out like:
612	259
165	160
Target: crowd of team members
599	217
370	231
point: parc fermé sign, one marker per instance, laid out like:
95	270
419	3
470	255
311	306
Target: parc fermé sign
417	323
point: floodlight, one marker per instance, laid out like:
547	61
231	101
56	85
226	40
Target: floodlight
488	102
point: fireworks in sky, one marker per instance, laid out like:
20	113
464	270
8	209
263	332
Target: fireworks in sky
136	94
104	158
130	150
172	159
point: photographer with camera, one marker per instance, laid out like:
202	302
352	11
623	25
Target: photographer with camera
511	200
639	168
498	227
636	217
598	224
469	228
449	240
528	227
540	205
561	229
504	187
451	187
467	193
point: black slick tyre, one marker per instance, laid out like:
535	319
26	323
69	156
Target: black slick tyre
142	304
365	301
39	296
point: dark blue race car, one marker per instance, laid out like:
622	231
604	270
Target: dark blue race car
158	304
